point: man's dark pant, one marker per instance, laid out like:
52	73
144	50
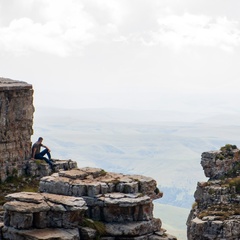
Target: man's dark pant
41	156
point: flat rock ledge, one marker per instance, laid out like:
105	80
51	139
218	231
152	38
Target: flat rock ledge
39	234
27	210
94	181
9	84
42	216
39	168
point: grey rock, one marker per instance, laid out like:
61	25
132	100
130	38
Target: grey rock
40	234
216	214
133	228
16	120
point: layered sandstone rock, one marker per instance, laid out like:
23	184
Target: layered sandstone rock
217	164
123	203
16	120
25	212
216	213
39	168
88	203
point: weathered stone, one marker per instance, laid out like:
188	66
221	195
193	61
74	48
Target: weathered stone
144	237
93	172
25	207
217	164
69	203
92	181
133	228
93	189
216	213
74	174
107	238
163	237
28	210
25	197
39	168
87	233
148	186
125	200
64	165
228	229
125	215
16	120
40	234
40	220
79	188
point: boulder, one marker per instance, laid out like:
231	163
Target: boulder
39	168
41	234
93	181
42	210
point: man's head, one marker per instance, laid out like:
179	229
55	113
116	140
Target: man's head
40	139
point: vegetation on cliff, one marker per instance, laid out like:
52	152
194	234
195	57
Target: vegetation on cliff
17	184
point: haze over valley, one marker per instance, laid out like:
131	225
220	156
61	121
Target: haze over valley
139	142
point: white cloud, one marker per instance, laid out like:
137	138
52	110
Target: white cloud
23	36
196	30
108	11
63	29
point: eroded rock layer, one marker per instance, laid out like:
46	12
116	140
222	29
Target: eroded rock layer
88	203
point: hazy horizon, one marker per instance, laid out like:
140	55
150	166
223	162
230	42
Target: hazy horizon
159	144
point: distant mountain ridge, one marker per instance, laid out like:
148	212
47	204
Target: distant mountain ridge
168	149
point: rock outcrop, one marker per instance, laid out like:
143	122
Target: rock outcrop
16	121
39	168
86	203
216	212
25	211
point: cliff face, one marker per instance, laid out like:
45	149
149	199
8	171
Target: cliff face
88	204
16	121
216	213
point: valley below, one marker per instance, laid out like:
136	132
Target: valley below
161	145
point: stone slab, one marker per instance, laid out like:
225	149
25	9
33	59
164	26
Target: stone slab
133	228
9	84
41	234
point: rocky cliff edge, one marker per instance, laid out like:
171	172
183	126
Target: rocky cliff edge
216	211
83	203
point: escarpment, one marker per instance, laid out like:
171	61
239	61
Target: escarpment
216	212
72	203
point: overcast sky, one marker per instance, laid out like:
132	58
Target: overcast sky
140	54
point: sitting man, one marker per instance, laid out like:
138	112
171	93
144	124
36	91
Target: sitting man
38	154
